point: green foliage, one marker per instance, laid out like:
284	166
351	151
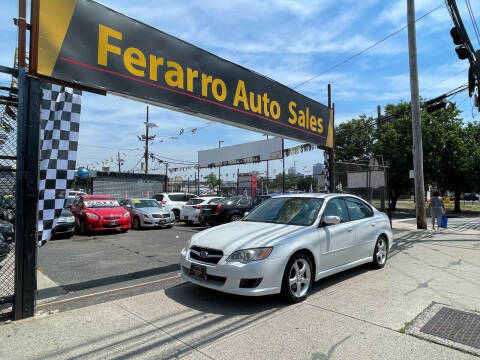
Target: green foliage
451	150
212	181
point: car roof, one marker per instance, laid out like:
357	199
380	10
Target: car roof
315	195
139	199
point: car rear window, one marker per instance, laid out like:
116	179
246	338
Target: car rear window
194	201
215	201
177	197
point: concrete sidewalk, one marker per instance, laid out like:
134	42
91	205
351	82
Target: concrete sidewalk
359	314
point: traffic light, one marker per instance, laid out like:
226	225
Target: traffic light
462	52
457	39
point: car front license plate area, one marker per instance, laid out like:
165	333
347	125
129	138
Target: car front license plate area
198	271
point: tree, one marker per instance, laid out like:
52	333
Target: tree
212	181
354	139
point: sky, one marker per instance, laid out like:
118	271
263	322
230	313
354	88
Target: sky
287	40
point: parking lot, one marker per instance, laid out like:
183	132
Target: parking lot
111	265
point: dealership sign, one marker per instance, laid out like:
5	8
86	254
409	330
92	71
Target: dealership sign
84	43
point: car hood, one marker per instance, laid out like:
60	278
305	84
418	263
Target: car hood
152	210
242	235
107	211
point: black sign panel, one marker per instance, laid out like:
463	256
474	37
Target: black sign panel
83	42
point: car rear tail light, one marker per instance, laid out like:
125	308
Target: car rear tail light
197	207
164	202
217	210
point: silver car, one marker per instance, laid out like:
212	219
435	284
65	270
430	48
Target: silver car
287	243
148	213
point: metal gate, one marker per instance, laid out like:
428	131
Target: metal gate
8	165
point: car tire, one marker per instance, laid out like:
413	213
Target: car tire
136	223
380	253
298	274
123	230
83	231
168	226
177	215
202	223
235	217
189	222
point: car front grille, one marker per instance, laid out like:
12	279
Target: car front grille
206	255
110	218
160	216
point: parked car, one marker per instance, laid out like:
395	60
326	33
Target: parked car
7	208
99	212
229	209
7	231
286	244
191	210
174	201
65	224
4	249
148	213
470	197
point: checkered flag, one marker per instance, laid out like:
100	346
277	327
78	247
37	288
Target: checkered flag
59	127
326	163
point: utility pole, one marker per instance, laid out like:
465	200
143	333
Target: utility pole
219	143
283	165
267	174
119	162
166	177
147	138
417	148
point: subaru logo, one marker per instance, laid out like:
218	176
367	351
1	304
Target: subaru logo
203	254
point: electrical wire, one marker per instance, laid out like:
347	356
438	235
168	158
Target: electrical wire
474	22
441	81
366	49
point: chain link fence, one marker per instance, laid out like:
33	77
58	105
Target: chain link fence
8	155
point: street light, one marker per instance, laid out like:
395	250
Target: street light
219	143
147	138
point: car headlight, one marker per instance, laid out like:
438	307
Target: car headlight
247	255
70	219
188	243
127	214
92	216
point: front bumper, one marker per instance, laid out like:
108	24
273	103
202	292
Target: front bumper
64	228
269	270
101	225
153	222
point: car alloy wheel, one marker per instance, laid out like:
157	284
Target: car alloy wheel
380	253
136	223
297	278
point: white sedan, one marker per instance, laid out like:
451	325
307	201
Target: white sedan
287	243
190	211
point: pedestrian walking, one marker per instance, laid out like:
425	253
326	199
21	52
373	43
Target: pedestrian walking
437	208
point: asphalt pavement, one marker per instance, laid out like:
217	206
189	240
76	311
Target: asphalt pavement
107	266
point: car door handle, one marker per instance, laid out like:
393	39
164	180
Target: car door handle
373	224
350	229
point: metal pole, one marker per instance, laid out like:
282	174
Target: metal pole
146	144
283	165
331	162
26	212
166	177
118	159
198	179
267	175
219	142
22	32
416	123
238	181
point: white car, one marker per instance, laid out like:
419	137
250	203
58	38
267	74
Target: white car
190	211
174	201
286	244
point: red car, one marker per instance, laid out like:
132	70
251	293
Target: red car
99	212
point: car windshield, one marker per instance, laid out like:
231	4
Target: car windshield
101	203
145	203
68	202
291	211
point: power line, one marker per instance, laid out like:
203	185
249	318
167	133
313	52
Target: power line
366	49
441	81
107	147
472	18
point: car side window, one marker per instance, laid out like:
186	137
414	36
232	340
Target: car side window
336	207
357	209
243	202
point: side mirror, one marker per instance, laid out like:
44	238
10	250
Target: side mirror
332	220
